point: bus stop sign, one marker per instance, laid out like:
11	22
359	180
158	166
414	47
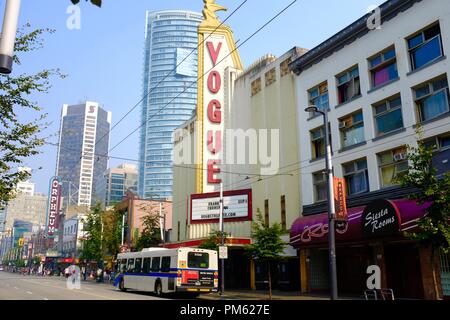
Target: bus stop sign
223	252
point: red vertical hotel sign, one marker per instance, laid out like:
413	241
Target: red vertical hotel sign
340	199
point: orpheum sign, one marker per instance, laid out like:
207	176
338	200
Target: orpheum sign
54	203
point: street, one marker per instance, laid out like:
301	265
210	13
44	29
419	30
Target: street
14	286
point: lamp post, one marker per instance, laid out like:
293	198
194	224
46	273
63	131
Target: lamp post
331	207
8	36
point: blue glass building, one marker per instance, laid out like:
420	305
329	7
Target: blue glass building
170	37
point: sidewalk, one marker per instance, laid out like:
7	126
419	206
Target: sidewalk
261	295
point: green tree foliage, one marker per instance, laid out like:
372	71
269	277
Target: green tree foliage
92	242
214	240
112	232
19	139
434	227
267	245
98	3
151	233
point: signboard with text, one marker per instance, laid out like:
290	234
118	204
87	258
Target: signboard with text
54	203
340	199
205	208
380	219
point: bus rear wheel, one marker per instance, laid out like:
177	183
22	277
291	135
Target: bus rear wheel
122	286
158	289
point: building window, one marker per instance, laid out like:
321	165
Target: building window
284	67
432	99
320	186
352	129
388	116
441	152
356	176
256	86
318	142
270	77
318	96
425	47
391	164
283	212
348	85
383	67
266	212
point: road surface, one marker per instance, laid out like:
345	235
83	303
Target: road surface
14	286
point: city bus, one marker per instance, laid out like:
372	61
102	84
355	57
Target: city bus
160	270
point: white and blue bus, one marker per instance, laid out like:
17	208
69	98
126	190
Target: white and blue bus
160	270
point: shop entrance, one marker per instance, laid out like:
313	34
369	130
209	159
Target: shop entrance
403	271
237	269
352	263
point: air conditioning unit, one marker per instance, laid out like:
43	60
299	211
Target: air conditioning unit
342	124
399	156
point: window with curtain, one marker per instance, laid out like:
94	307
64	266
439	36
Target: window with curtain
388	115
356	176
392	164
318	96
425	46
432	99
348	85
383	67
352	129
320	186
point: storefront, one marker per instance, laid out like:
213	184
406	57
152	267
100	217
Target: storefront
374	235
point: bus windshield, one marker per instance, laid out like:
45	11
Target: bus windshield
199	260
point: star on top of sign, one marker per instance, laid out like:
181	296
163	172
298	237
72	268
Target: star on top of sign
209	12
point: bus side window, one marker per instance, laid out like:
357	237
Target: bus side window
165	264
138	266
155	264
146	267
130	265
123	265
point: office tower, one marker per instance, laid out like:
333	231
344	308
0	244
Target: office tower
170	95
115	182
83	151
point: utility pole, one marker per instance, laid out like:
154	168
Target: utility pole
222	239
8	37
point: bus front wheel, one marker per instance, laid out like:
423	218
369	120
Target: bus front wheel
122	286
158	288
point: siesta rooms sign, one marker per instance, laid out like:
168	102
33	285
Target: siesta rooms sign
54	203
380	218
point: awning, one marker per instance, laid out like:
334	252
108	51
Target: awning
382	218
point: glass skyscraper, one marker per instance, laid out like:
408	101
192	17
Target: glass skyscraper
170	37
83	150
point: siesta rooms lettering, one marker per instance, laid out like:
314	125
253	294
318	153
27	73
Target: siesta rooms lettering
214	114
378	220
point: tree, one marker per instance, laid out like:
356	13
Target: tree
267	246
112	232
214	240
151	232
92	242
19	139
98	3
434	227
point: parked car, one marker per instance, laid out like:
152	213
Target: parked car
1	268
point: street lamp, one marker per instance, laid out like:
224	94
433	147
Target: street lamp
8	36
331	207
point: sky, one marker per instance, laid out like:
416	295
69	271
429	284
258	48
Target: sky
103	60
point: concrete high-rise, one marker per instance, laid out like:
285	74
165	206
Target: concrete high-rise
170	95
83	150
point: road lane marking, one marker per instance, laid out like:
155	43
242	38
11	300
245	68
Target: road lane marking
78	291
16	288
29	292
44	298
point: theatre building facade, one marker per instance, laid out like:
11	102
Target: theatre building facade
379	83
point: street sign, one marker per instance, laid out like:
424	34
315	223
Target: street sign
223	252
340	200
20	242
